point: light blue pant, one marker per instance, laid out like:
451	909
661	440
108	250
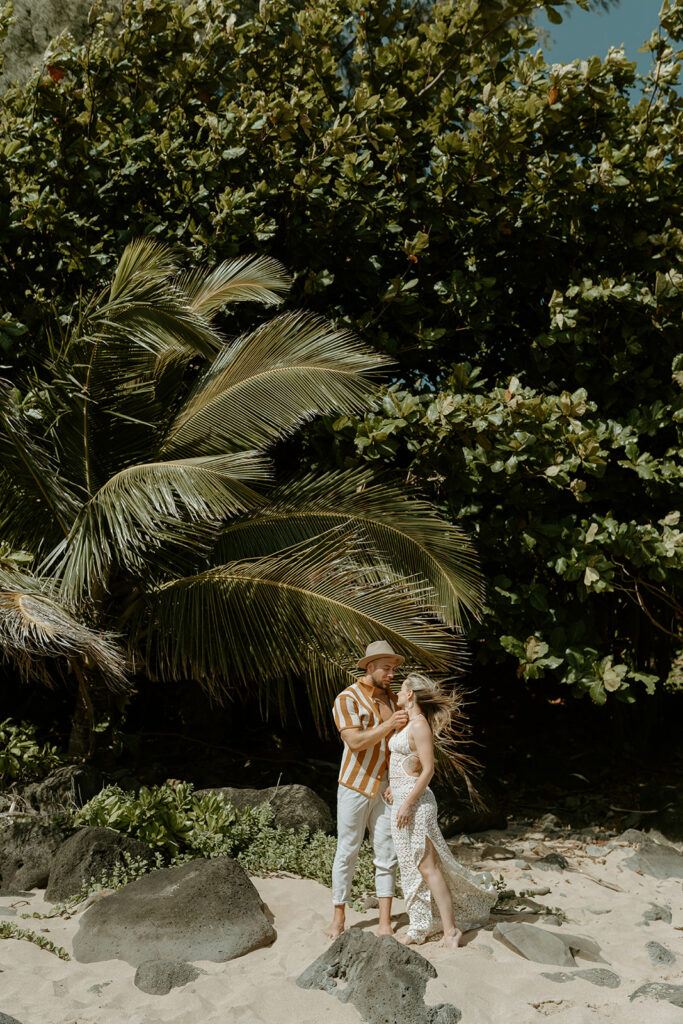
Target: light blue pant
355	814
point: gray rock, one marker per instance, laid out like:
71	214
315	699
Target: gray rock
668	802
659	954
523	865
64	789
549	823
99	988
658	990
384	980
27	849
202	910
595	851
497	853
655	859
558	976
6	1019
158	977
599	976
538	890
37	22
90	853
543	946
599	910
293	806
657	912
553	862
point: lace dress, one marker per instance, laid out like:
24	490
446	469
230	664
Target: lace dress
473	894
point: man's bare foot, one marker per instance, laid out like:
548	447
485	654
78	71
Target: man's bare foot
334	930
452	941
385	929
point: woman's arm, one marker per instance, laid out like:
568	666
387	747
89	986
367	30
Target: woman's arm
421	734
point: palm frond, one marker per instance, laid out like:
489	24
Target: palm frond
181	500
406	531
304	612
269	382
246	279
143	266
36	629
37	505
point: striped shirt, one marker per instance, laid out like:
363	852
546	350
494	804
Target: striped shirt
362	770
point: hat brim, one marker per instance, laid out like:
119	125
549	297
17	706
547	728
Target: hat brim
364	662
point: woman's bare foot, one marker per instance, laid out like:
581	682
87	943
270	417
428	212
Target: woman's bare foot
452	941
410	940
385	929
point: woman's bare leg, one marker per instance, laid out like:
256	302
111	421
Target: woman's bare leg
430	869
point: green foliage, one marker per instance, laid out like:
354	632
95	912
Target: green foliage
585	587
9	930
22	758
136	464
175	821
181	825
434	185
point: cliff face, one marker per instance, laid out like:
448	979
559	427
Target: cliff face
36	22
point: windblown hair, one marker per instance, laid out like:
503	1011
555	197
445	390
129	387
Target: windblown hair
451	729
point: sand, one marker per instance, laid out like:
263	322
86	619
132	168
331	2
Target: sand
488	982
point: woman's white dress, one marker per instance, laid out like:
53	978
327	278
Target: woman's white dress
473	894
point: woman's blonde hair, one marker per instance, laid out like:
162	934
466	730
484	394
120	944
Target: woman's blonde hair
445	712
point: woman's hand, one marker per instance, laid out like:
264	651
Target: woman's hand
404	814
388	796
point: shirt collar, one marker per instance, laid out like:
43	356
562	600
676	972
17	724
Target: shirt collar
370	690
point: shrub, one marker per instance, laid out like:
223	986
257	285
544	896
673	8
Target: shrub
181	825
22	757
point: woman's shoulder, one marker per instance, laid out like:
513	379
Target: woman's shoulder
420	727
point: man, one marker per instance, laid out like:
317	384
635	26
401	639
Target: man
366	716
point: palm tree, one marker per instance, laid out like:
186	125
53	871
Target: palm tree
136	471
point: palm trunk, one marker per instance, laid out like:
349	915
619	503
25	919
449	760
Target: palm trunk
93	719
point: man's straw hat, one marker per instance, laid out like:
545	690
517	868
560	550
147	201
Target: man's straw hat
379	649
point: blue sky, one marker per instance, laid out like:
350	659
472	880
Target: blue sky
583	34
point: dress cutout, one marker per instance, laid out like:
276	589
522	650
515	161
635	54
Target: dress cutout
473	894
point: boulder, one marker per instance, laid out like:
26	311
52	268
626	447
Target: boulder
294	806
384	980
63	789
36	23
543	946
659	955
90	853
653	858
158	977
202	910
27	849
6	1019
657	990
667	801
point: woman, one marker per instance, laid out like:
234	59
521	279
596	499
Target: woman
429	871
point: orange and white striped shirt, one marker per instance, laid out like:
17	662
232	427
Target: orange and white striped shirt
362	770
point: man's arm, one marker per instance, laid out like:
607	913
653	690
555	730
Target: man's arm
361	739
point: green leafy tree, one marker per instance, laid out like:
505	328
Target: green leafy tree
439	189
136	471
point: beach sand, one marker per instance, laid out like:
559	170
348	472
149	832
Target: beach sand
488	982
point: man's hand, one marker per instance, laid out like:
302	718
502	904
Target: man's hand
399	719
